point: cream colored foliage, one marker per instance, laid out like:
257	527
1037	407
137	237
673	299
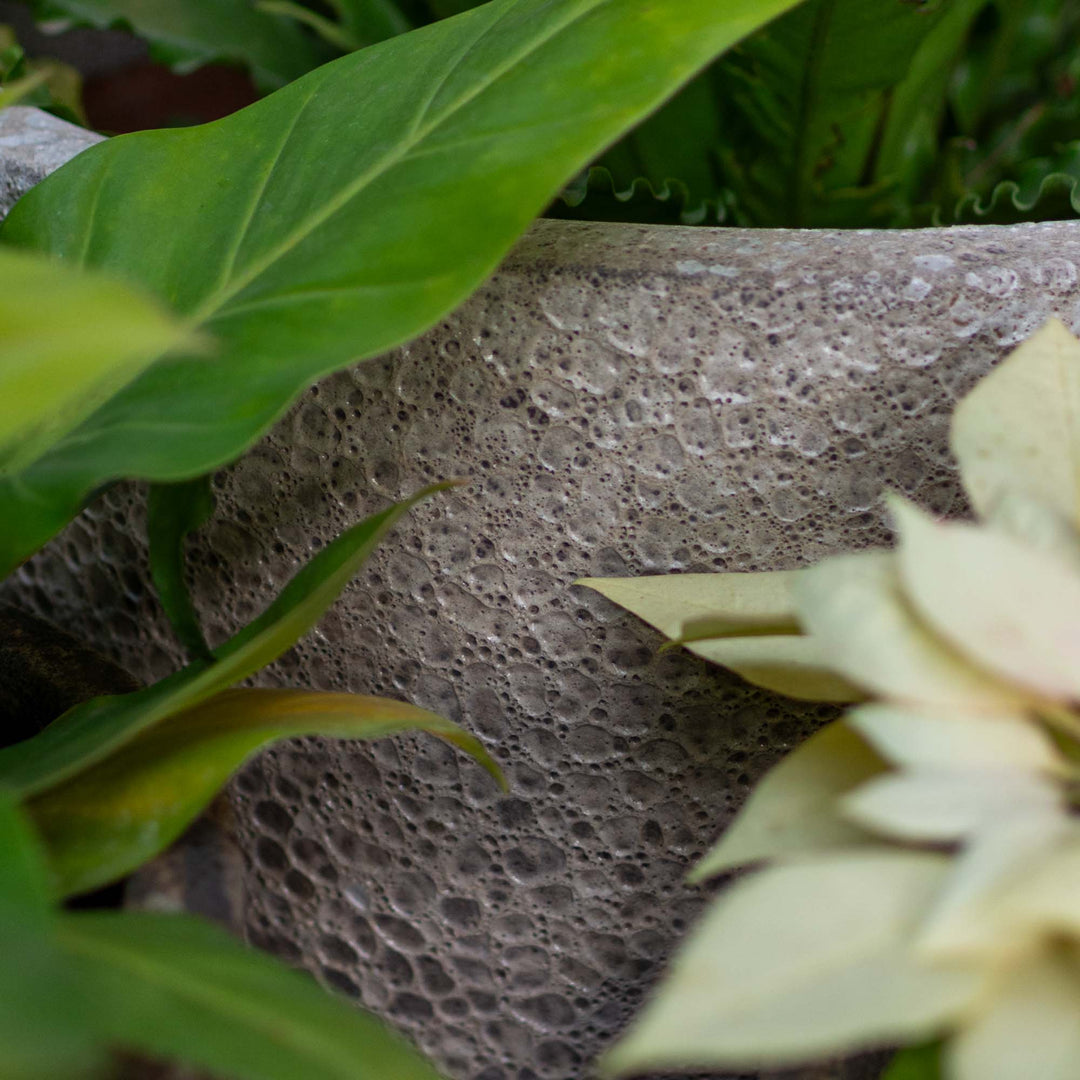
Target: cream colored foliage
969	637
794	809
975	918
853	605
745	622
943	805
926	738
730	603
1031	1028
790	664
796	961
1011	609
1019	429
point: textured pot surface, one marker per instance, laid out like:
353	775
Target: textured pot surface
624	399
32	144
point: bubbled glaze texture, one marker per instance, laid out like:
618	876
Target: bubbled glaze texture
622	400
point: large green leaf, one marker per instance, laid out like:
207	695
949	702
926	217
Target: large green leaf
176	987
88	733
806	110
45	1014
340	216
106	821
188	33
68	341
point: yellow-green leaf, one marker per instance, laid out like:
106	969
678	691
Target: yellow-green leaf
853	606
794	809
800	961
1030	1030
112	817
91	732
1019	429
928	739
69	340
1012	610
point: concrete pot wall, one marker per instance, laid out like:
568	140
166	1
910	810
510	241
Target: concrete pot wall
624	400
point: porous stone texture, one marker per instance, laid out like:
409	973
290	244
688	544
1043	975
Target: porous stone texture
32	144
623	400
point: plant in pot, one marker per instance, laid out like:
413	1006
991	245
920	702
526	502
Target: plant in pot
596	886
112	781
919	852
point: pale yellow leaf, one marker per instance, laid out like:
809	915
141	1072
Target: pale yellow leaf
730	603
921	738
784	664
945	805
793	810
745	622
1019	429
802	960
972	918
852	605
1038	524
1048	896
1012	610
1030	1030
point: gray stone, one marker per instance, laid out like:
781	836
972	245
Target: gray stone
623	400
32	144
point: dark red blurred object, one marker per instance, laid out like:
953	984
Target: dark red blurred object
146	95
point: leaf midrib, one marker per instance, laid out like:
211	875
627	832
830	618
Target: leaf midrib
217	300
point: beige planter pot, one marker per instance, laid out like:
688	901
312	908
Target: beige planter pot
624	400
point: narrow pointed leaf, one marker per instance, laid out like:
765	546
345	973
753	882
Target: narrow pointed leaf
1013	610
331	32
1019	429
801	961
788	664
745	622
88	733
173	511
307	233
795	808
180	988
68	341
116	815
726	603
854	607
